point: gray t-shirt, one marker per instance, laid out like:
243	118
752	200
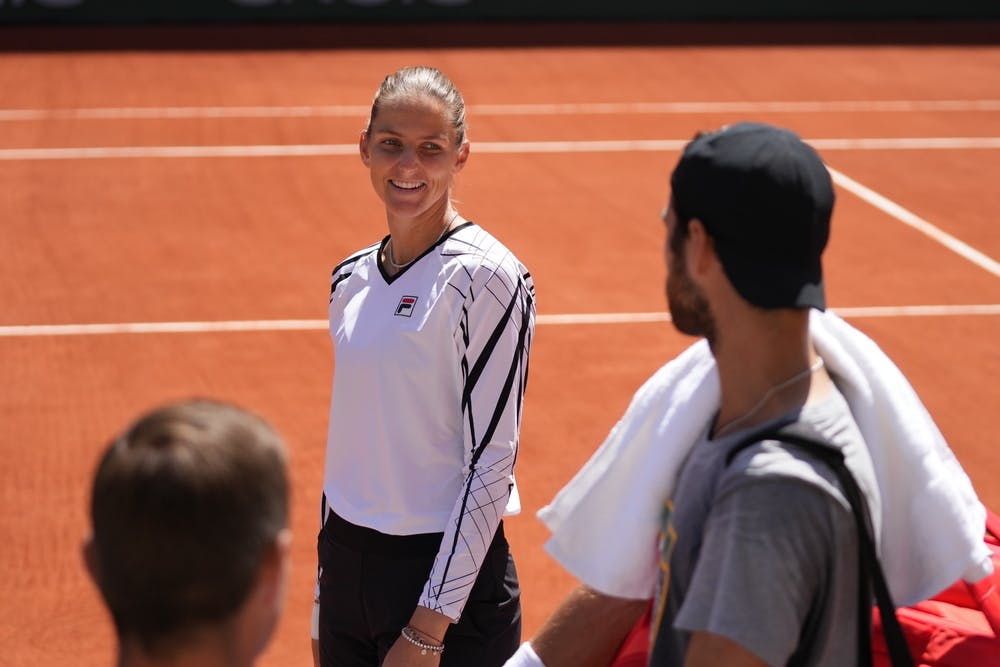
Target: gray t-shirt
764	551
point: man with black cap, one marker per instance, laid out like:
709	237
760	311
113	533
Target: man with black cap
758	555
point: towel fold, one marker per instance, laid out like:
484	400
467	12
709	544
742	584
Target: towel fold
605	521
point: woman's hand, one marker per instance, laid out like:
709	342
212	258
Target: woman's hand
405	654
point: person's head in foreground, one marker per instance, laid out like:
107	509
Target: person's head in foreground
755	201
190	541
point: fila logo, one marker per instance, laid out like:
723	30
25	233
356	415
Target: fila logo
405	307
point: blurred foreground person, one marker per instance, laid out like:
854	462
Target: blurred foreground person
190	545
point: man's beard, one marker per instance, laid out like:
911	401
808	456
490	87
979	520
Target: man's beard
689	308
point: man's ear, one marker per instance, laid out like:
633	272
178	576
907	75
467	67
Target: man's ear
276	564
89	552
258	616
364	148
700	248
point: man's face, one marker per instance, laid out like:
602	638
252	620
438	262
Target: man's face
689	307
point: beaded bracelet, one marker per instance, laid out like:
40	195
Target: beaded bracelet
435	649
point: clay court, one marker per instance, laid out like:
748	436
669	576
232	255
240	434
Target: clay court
169	219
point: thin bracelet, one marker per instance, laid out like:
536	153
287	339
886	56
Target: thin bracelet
424	635
407	634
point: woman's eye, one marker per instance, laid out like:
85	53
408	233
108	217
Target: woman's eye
431	147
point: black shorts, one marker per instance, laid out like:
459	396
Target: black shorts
371	583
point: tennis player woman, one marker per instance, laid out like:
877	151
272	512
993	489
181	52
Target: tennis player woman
431	329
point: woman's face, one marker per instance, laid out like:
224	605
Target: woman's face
411	153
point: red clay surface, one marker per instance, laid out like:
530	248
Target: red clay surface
140	240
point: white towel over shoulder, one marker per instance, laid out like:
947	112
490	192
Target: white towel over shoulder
605	521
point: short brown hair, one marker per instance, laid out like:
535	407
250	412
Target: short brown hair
185	505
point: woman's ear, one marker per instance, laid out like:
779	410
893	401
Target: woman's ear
463	156
364	148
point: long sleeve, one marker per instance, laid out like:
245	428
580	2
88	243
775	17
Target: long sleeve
493	341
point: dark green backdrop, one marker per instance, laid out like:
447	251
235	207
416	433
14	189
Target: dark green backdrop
239	11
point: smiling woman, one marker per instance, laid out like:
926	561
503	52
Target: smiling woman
431	329
414	146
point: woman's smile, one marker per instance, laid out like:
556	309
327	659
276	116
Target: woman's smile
406	185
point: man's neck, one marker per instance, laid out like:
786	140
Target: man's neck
201	655
767	367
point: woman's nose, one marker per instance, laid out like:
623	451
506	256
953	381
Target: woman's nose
408	159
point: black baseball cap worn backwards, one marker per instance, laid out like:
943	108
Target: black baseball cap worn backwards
765	198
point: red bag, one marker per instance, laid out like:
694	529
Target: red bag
634	651
959	627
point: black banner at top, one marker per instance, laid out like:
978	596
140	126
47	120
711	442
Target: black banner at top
239	11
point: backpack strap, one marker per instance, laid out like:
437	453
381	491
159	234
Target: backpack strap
869	569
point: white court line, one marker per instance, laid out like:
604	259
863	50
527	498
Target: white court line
160	327
38	330
154	152
916	222
610	146
510	147
904	143
582	108
656	145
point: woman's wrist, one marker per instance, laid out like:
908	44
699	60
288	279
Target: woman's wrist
429	624
424	635
419	639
